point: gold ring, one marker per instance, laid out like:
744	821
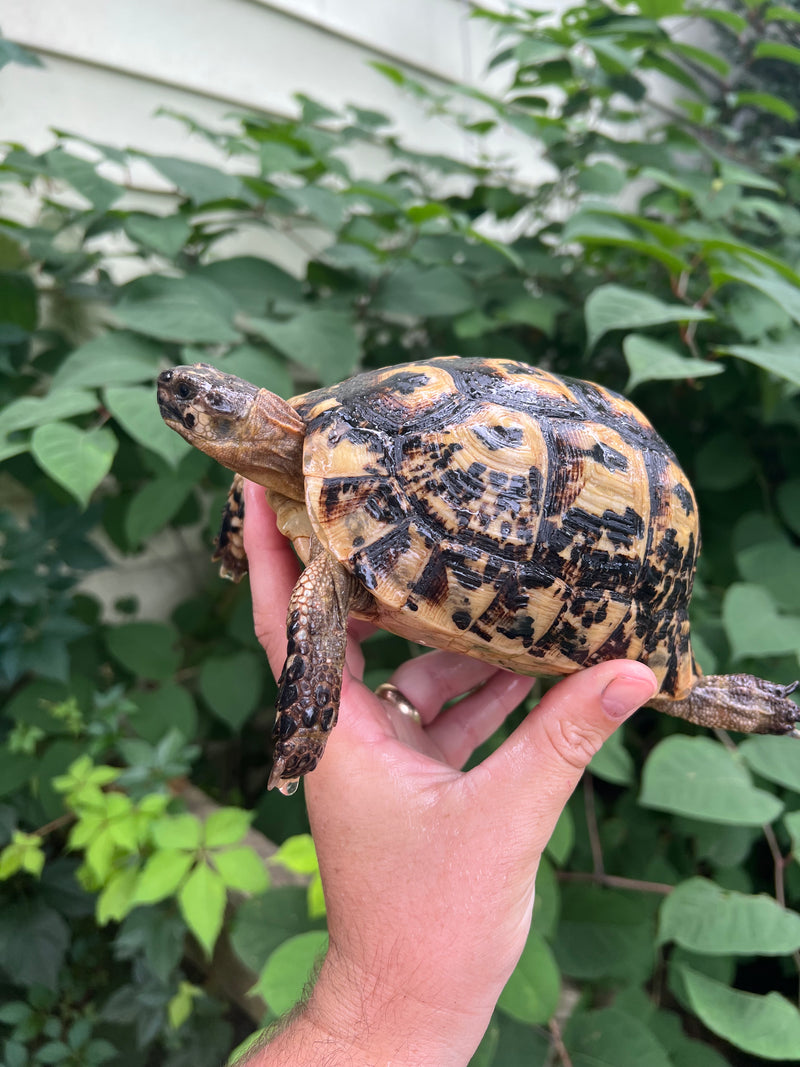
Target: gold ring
392	695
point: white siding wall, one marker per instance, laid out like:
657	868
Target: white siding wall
112	63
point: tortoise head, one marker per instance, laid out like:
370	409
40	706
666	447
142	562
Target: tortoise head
249	430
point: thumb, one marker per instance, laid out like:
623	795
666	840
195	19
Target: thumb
535	771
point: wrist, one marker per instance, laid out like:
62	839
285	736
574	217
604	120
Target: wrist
354	1020
380	1025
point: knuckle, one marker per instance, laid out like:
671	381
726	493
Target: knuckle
574	743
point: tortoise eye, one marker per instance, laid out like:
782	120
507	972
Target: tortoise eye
183	391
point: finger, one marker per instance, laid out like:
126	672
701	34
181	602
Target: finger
431	680
273	573
459	729
532	775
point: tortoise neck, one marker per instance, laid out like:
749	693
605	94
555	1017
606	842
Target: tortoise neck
270	448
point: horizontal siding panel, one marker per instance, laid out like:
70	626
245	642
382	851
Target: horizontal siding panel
436	36
251	50
206	57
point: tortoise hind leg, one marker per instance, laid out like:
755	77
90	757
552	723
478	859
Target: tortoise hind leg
737	702
309	687
230	540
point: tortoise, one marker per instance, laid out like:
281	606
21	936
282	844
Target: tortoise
478	505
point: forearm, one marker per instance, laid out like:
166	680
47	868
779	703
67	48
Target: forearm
345	1024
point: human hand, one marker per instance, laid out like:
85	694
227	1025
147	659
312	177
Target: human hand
428	871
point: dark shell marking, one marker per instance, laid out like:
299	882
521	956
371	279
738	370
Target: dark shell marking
493	508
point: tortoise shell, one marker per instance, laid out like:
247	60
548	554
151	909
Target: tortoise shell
494	509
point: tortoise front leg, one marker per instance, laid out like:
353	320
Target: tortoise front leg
230	540
310	684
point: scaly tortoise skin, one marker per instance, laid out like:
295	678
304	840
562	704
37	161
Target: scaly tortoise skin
482	506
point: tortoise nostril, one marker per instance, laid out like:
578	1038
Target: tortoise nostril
165	376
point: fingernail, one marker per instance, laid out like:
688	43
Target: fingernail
625	694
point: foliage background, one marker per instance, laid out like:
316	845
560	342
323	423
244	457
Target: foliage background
661	258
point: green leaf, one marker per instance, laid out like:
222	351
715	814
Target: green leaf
649	360
116	358
613	762
602	177
776	50
83	177
785	293
613	307
298	854
289	968
260	367
164	234
136	410
260	925
226	826
701	56
77	459
116	899
723	462
754	627
778	13
789	503
776	566
560	845
231	686
197	181
185	309
596	228
178	832
531	993
698	777
241	869
539	312
486	1051
773	759
547	900
325	341
766	102
792	823
161	875
255	284
16	1054
610	1038
147	649
14	53
736	23
277	158
778	357
53	1052
33	942
169	707
604	934
767	1026
324	205
152	507
424	292
35	410
202	905
707	919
